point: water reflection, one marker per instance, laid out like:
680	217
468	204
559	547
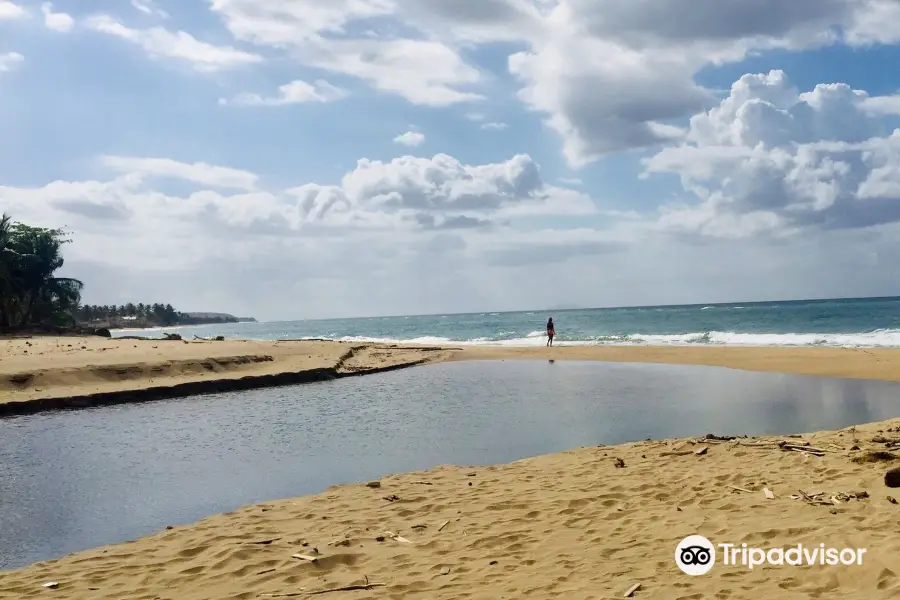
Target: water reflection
73	480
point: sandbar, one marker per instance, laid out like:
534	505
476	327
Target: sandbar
45	372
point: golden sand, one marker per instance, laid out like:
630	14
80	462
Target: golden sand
569	526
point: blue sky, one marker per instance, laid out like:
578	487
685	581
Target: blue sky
124	123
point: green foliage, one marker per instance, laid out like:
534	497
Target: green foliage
30	294
140	314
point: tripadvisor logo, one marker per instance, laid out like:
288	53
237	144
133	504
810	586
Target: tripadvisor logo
696	555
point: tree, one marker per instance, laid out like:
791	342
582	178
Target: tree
30	293
171	316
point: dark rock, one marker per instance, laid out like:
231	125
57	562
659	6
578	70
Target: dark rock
220	338
102	332
892	478
374	484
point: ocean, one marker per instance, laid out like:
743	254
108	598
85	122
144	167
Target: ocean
860	322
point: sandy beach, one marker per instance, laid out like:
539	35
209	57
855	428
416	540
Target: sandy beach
577	525
582	525
41	368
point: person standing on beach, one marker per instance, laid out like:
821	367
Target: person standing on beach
551	331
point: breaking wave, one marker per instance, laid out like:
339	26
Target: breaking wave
881	338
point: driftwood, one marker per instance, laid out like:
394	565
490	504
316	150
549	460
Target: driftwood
817	500
630	591
305	557
348	588
740	489
802	448
397	537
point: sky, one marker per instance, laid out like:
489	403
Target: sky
291	159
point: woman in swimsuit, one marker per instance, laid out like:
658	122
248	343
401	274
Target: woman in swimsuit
550	331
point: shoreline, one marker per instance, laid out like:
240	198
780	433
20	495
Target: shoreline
587	523
52	373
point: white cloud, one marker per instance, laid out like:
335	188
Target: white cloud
10	61
875	23
651	54
881	105
633	98
276	23
295	92
10	11
162	43
381	220
56	21
423	72
149	8
767	161
770	160
199	172
407	193
422	69
410	138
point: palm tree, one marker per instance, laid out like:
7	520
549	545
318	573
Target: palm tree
29	291
8	256
43	295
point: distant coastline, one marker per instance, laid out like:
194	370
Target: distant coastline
150	317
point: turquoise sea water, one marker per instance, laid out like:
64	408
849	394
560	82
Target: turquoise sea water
872	322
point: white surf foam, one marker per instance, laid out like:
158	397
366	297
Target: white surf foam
882	338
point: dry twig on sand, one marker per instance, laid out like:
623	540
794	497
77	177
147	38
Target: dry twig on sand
740	489
348	588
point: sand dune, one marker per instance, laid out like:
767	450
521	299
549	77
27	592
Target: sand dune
570	526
